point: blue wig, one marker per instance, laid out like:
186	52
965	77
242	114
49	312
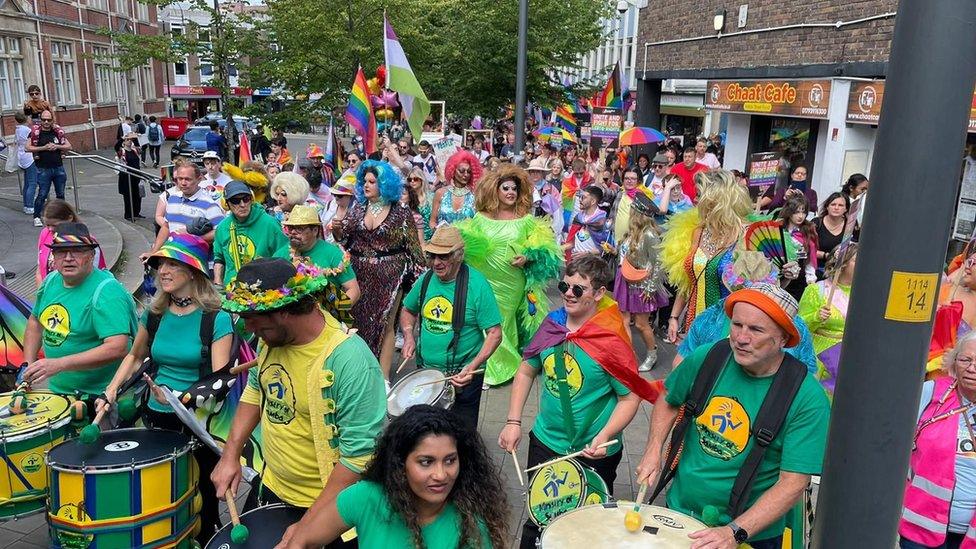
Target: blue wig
390	182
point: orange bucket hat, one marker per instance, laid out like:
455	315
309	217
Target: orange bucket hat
772	300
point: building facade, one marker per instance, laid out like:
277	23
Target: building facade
57	46
782	76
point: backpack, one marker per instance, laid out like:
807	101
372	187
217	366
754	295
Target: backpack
154	133
769	420
459	306
141	128
206	338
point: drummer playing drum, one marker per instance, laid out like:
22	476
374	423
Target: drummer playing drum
592	388
458	346
316	389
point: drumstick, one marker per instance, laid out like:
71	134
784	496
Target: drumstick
18	399
239	533
517	470
633	519
90	433
242	367
402	364
474	373
569	456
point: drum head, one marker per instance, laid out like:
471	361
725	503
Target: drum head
556	489
43	409
119	448
662	528
406	392
265	527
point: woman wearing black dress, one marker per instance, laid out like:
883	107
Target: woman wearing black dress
830	226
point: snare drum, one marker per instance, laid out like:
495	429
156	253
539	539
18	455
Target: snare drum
265	527
603	526
561	487
24	439
131	488
437	391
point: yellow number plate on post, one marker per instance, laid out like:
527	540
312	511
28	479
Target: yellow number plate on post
911	297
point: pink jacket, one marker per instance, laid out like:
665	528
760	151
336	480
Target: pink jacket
932	476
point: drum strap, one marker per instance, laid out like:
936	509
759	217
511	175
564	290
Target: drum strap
458	307
562	385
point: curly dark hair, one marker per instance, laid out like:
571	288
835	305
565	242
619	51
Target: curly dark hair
477	491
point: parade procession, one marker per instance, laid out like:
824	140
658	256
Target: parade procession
676	274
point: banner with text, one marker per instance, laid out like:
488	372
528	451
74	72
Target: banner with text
799	98
864	104
605	125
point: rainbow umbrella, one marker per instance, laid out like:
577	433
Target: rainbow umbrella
639	135
547	132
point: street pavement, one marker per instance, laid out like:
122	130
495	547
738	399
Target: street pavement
98	197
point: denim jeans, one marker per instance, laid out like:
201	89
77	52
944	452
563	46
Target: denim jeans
44	178
952	541
30	185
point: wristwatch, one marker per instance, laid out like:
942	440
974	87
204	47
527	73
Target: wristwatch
738	532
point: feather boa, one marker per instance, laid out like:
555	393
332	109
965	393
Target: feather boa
675	247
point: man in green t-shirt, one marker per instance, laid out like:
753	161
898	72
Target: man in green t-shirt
459	352
719	439
304	230
83	318
247	234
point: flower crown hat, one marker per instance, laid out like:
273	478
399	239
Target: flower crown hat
268	284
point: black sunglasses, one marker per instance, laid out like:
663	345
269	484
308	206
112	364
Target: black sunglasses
657	165
242	199
577	289
443	257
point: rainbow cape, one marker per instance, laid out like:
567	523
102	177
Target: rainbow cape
359	112
605	338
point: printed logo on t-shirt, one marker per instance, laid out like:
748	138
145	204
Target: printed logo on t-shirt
967	446
279	394
574	375
245	248
56	323
723	428
438	315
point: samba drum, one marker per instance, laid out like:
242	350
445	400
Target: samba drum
24	439
561	487
604	527
424	386
265	524
131	488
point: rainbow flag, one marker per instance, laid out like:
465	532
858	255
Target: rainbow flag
359	112
612	94
566	117
245	152
333	157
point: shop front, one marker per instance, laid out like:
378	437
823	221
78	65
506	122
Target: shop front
194	102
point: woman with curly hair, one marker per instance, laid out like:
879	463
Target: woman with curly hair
431	485
698	243
518	254
455	201
381	238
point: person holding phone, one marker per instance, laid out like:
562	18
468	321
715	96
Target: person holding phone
798	185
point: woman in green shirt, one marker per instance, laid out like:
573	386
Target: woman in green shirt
185	295
430	485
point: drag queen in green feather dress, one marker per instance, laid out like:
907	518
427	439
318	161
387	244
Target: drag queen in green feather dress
518	254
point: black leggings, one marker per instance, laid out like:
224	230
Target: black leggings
539	453
207	459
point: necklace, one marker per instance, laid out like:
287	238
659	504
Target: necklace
460	192
375	208
181	301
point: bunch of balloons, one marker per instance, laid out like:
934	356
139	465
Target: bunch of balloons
384	100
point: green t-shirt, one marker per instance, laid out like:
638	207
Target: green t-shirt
593	394
179	364
716	446
325	255
74	321
257	236
365	506
480	313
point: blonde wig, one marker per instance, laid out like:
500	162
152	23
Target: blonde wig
723	204
486	193
294	185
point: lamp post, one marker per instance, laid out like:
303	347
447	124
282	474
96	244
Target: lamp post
520	75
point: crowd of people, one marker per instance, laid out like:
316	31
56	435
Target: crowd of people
339	271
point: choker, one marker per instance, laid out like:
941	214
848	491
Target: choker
376	207
181	301
460	192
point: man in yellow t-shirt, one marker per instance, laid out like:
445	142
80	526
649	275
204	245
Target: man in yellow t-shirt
319	438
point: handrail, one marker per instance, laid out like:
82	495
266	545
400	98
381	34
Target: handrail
102	161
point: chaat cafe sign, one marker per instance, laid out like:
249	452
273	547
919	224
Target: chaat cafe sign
864	104
799	98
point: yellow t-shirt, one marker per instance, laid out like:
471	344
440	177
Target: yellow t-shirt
622	220
291	470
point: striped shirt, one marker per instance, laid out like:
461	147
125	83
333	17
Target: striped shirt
180	211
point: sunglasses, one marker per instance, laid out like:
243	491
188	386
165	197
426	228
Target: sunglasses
237	200
415	179
47	120
577	289
657	165
443	257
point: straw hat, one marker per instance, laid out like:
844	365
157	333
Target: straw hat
445	240
302	215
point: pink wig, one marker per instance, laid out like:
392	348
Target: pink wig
463	157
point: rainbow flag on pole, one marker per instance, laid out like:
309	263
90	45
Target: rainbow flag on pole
566	118
401	79
612	94
359	112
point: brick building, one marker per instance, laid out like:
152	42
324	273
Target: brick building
783	75
57	45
